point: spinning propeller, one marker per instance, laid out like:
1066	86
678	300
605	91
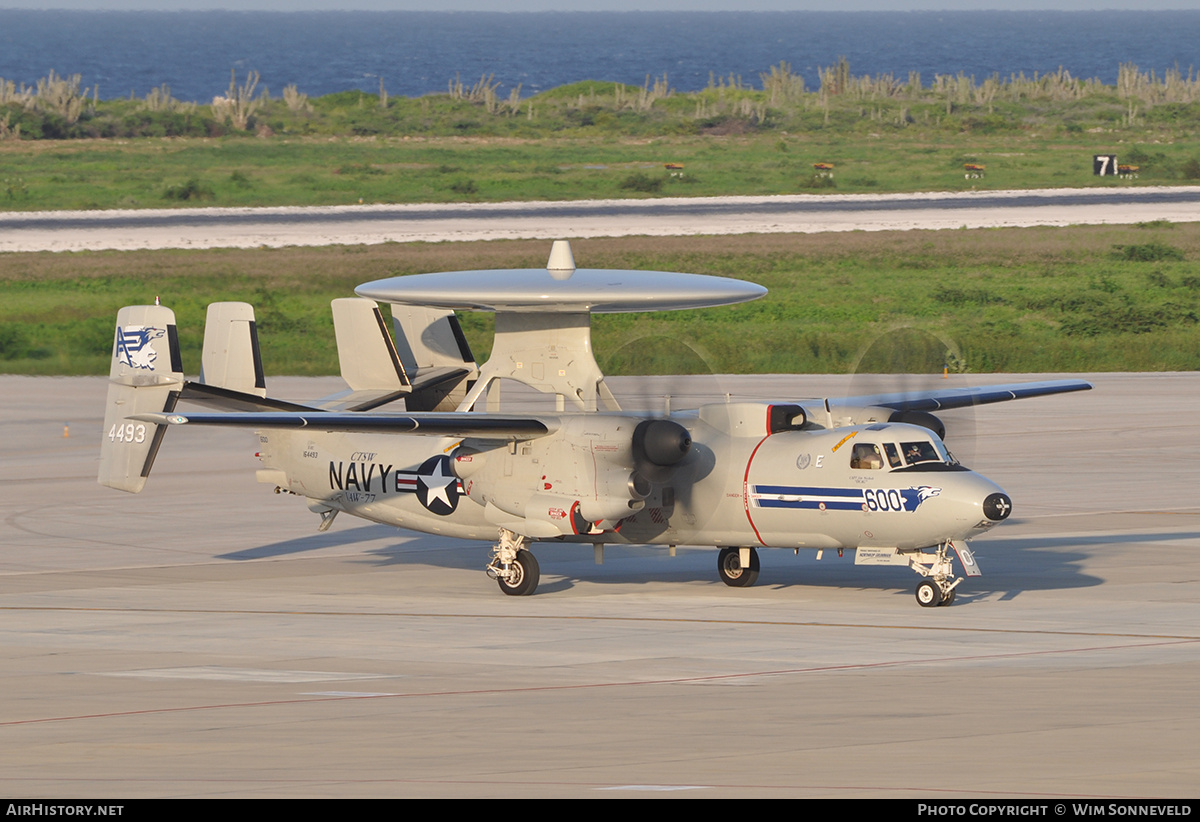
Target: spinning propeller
683	378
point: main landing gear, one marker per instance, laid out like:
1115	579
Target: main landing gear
738	567
513	565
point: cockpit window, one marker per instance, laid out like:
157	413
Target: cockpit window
893	454
918	452
944	452
866	456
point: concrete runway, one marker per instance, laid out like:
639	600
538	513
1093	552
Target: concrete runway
202	639
366	224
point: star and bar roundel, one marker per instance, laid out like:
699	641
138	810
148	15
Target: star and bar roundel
437	487
362	478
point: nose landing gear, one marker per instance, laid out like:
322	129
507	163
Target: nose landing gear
938	569
930	594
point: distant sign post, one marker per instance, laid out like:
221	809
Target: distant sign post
1104	165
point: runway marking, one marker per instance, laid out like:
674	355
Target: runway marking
218	674
656	788
863	666
351	693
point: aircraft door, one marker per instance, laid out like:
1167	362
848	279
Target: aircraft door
792	494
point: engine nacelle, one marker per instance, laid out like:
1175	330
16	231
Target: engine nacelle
850	415
923	419
592	470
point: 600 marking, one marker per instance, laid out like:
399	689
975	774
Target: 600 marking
881	500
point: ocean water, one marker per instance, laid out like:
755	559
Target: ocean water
418	53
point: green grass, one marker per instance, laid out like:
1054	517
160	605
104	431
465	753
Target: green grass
343	171
1086	298
594	139
1035	299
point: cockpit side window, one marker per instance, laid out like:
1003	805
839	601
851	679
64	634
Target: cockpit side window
893	454
866	456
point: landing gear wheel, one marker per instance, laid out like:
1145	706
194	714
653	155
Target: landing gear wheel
729	567
524	578
929	594
948	599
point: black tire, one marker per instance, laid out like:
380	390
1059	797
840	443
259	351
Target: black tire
929	594
729	568
948	599
528	573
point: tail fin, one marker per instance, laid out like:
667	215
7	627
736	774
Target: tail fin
146	377
231	369
427	364
434	351
367	356
231	358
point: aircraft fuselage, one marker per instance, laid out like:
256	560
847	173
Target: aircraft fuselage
884	485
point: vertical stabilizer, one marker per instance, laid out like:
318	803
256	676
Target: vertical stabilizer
430	338
145	377
367	356
434	351
231	357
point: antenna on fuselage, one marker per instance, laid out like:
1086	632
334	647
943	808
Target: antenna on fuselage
561	264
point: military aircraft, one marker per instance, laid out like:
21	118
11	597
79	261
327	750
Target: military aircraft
867	473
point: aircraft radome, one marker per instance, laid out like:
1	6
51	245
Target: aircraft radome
868	473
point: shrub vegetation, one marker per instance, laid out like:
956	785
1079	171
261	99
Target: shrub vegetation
1012	300
595	139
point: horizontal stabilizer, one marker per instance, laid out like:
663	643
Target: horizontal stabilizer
427	382
364	400
438	376
480	426
224	399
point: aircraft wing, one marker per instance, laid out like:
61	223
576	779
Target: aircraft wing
940	400
484	426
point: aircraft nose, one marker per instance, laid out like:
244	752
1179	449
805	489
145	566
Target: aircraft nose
997	507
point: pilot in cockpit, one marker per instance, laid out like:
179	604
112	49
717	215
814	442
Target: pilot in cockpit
866	456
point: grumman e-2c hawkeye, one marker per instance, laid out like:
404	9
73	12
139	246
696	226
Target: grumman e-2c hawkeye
867	473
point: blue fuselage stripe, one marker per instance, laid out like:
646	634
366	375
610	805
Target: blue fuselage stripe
804	491
811	504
